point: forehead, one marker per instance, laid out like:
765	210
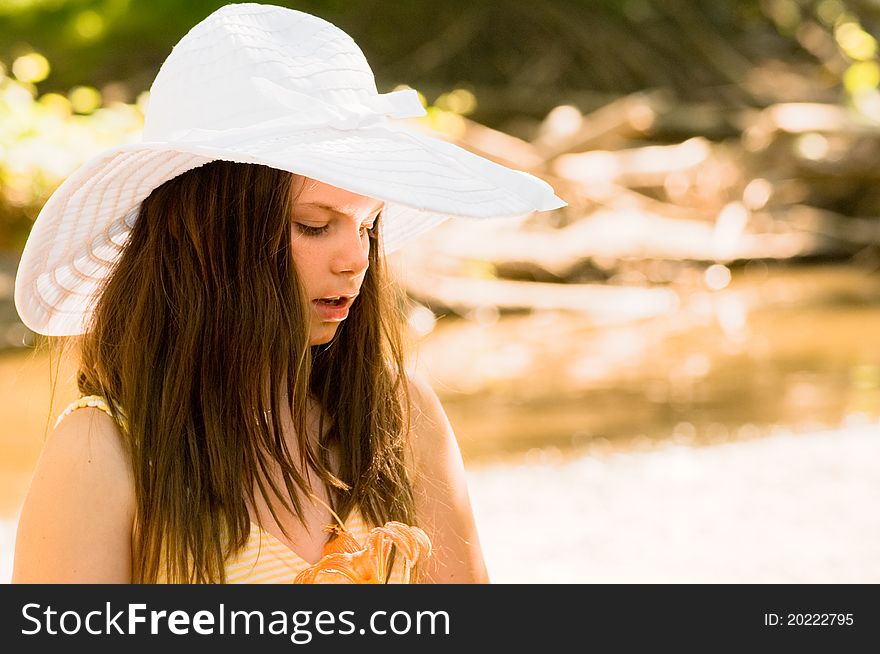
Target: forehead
312	192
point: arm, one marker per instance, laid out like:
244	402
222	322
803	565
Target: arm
442	503
75	525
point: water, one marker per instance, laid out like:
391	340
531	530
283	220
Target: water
789	508
790	348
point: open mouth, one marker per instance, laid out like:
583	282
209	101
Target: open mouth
334	309
334	302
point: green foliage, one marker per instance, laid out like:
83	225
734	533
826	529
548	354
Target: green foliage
43	139
615	46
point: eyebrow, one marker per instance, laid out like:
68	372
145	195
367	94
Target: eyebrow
333	209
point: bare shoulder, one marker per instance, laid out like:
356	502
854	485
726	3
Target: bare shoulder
75	525
431	431
440	489
421	391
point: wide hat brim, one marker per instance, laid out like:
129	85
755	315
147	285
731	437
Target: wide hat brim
82	229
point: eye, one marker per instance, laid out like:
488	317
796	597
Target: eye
308	230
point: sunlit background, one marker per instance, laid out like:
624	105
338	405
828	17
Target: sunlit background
677	377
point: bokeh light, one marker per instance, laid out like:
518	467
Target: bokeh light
84	99
717	277
459	101
32	68
855	42
89	25
861	76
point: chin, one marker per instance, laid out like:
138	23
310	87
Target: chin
323	335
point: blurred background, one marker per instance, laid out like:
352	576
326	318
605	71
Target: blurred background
676	378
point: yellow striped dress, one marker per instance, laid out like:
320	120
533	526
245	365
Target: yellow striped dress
264	559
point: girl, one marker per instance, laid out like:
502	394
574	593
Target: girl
241	358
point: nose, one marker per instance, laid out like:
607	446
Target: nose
352	254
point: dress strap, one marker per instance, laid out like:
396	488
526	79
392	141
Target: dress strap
95	401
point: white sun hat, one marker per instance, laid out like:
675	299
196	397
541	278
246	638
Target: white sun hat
266	85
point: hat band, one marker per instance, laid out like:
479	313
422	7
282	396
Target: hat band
299	111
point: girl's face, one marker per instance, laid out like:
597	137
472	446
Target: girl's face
330	246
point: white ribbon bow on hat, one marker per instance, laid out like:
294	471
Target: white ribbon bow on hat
366	112
288	109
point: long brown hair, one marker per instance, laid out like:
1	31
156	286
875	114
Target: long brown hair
201	325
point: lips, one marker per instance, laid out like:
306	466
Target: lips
343	299
334	308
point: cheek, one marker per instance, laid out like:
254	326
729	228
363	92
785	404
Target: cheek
305	259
